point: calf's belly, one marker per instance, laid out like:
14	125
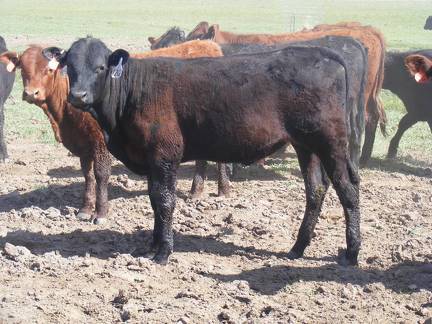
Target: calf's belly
244	150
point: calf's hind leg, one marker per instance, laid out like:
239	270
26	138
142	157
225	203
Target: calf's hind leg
199	177
223	180
102	172
316	185
370	131
86	210
346	182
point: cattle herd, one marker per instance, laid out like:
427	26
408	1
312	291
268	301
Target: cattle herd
213	95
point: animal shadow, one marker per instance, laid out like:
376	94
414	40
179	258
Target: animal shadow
266	280
58	196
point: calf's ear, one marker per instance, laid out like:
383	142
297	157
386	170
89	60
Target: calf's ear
202	27
212	31
117	60
419	66
11	59
199	31
56	57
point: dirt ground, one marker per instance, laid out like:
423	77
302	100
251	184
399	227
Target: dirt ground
229	263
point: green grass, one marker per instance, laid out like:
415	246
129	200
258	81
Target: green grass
128	24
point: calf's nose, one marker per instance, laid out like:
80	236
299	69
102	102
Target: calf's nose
78	98
81	95
30	94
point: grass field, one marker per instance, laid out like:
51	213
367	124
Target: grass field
130	22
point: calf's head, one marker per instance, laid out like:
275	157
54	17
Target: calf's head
420	67
89	64
172	37
38	74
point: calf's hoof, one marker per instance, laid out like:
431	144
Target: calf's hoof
347	258
162	255
363	161
224	193
83	216
195	194
391	155
98	220
292	255
196	190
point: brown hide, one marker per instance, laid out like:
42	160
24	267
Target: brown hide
191	49
370	37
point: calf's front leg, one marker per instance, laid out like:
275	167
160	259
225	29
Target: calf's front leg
102	172
161	187
406	122
86	210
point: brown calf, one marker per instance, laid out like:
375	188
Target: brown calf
76	130
81	134
370	37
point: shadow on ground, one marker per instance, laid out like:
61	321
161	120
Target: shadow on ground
407	166
269	280
58	196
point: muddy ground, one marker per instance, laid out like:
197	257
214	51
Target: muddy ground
230	259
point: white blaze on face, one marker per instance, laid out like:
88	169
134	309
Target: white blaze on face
10	67
53	64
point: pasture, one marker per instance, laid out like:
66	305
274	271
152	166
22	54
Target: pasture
229	263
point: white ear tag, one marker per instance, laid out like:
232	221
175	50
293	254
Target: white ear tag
117	70
10	67
53	64
418	77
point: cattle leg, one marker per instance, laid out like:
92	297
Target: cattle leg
198	180
102	172
346	182
3	150
370	130
161	186
90	188
235	170
316	185
406	122
223	180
